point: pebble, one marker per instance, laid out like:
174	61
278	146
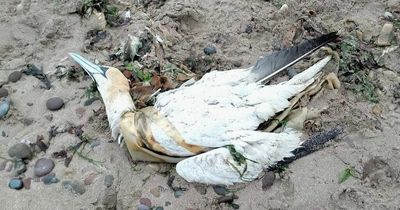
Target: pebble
268	180
49	117
386	35
108	180
248	29
178	193
388	16
27	183
55	103
74	186
156	192
127	74
145	201
159	208
220	189
15	76
19	167
210	49
89	178
43	166
201	189
377	110
4	106
50	179
16	184
3	92
9	166
20	151
143	207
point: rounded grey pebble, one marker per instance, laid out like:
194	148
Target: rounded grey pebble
220	189
50	179
248	29
108	180
4	106
15	76
143	207
43	166
54	103
20	150
19	167
15	183
3	92
209	50
75	187
3	165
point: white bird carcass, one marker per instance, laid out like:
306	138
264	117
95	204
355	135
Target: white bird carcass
209	128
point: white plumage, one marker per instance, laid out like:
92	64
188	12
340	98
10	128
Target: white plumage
219	113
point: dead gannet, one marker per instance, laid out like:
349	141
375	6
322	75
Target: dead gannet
209	128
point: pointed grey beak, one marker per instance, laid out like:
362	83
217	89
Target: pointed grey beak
88	66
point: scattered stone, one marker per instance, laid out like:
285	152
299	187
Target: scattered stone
110	197
74	186
145	201
386	35
227	199
49	117
89	178
3	165
27	183
156	192
248	29
4	106
159	208
178	193
237	63
29	104
210	49
27	121
43	166
96	21
143	207
3	92
20	151
90	101
284	9
388	16
55	103
220	189
377	110
50	179
167	203
16	184
108	180
268	180
9	166
201	189
15	76
19	167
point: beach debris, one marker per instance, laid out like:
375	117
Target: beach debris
38	73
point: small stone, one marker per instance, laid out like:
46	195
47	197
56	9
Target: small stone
167	203
386	35
27	183
43	166
16	184
127	74
268	180
220	189
49	117
15	76
29	104
159	208
284	9
90	101
9	166
20	151
54	103
377	110
50	179
19	167
143	207
145	201
3	92
89	178
108	180
248	29
80	112
27	121
210	49
74	186
178	193
237	63
4	106
388	16
156	192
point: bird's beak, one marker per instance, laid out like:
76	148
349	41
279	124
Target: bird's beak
88	66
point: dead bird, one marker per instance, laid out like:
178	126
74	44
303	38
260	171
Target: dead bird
209	128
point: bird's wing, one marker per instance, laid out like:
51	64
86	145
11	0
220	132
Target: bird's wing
256	150
270	65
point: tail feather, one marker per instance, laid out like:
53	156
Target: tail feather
270	65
